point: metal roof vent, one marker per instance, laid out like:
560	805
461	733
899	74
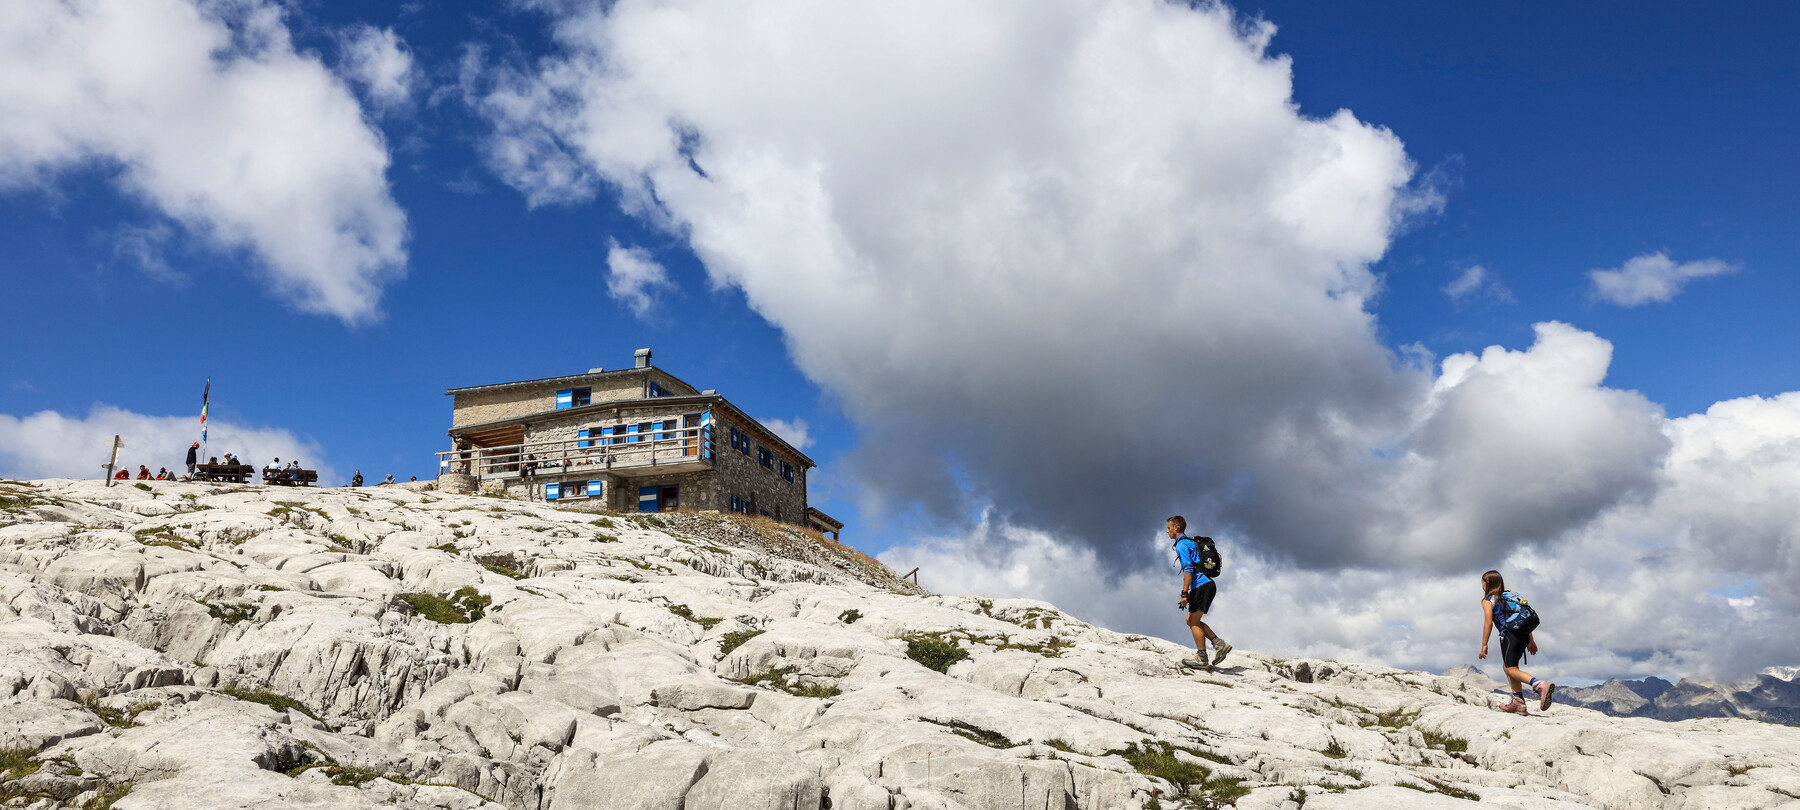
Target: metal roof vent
595	370
643	357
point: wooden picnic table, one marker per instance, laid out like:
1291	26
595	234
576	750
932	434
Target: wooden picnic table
290	478
236	473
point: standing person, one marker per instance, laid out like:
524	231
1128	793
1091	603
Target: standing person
1516	619
356	480
1197	590
193	457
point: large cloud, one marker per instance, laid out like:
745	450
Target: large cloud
48	444
212	118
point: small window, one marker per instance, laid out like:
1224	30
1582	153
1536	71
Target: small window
765	458
787	471
582	396
572	489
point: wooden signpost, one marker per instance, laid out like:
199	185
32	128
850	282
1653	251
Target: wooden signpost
113	461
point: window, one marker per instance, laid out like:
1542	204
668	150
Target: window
659	391
568	489
765	458
787	471
552	492
574	397
740	441
583	434
671	498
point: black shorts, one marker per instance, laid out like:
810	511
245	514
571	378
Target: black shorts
1513	642
1200	596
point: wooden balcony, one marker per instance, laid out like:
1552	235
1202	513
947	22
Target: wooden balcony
659	452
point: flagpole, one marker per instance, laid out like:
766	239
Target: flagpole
205	402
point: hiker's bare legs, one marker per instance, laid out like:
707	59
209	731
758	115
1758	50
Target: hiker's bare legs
1516	678
1200	630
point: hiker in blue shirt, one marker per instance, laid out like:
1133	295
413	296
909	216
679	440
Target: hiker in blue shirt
1197	591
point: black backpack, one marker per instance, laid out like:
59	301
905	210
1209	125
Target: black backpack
1210	561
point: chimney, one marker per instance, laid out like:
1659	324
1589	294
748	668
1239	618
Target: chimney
643	357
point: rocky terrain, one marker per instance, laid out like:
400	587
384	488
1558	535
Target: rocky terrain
200	646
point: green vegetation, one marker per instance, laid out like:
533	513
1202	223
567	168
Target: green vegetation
1049	649
1335	750
850	616
164	536
270	588
934	651
786	680
735	639
274	700
18	762
228	612
143	486
1395	720
447	548
107	798
1454	745
991	739
503	571
1159	760
602	537
464	606
604	523
1453	791
684	612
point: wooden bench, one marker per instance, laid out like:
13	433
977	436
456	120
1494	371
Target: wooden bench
290	478
235	473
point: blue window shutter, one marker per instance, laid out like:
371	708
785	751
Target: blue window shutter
607	433
552	491
565	398
595	488
647	498
582	435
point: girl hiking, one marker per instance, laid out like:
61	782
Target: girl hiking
1516	619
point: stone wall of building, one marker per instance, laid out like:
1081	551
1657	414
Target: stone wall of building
478	407
767	491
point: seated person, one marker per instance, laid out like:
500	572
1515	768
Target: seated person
122	475
162	473
143	473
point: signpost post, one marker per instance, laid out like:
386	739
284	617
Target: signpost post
113	461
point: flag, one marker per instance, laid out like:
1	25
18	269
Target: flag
205	400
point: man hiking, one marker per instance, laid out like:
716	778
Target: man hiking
1197	556
193	458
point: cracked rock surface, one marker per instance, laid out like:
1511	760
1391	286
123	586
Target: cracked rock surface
215	646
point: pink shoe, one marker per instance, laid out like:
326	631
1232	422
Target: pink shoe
1516	706
1544	690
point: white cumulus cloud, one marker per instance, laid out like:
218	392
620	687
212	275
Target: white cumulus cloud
1477	282
378	61
48	444
793	430
205	112
1652	278
635	279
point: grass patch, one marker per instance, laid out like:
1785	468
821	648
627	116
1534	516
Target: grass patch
447	548
934	651
602	537
274	700
19	762
1453	791
785	679
503	571
684	612
163	536
107	798
1335	750
1738	770
143	486
850	616
736	639
1395	720
604	523
991	739
228	612
464	606
1454	745
1049	649
1158	760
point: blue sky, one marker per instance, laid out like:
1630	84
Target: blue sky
1545	142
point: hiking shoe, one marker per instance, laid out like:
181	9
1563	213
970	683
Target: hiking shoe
1544	690
1221	648
1196	663
1516	706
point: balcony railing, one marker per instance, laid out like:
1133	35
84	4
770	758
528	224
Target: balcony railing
674	447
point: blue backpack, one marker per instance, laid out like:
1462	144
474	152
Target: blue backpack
1512	611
